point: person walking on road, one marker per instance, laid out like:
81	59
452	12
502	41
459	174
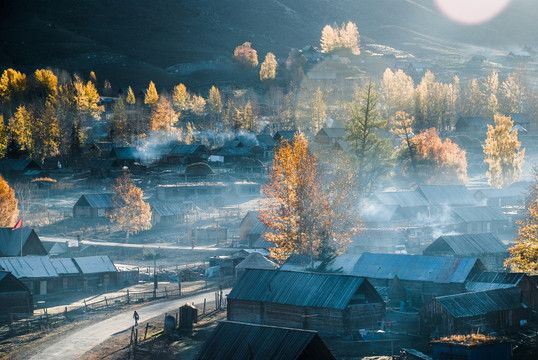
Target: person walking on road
135	317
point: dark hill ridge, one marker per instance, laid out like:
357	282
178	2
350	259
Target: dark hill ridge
132	41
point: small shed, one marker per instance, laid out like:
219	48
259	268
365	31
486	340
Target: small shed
247	188
328	303
167	214
423	277
446	195
249	165
487	247
250	222
15	297
238	341
208	235
500	197
330	136
472	346
484	311
190	190
93	206
19	167
473	124
70	275
198	170
10	242
187	154
489	280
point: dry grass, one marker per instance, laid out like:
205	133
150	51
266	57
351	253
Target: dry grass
471	339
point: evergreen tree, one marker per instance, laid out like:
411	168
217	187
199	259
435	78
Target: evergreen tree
130	99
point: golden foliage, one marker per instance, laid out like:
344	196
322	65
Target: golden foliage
245	55
163	116
181	97
337	38
131	212
300	215
319	110
152	96
397	92
21	128
268	68
197	105
130	99
215	100
12	84
437	161
46	84
524	254
502	153
86	98
3	137
8	204
470	339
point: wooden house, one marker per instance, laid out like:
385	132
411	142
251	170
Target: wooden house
250	228
287	135
125	155
96	271
15	297
233	154
19	167
198	170
487	247
423	277
446	195
238	341
247	188
411	203
208	235
187	154
93	206
69	273
249	165
470	124
10	242
167	214
328	303
483	311
478	219
312	54
36	272
266	144
330	136
471	347
499	280
190	190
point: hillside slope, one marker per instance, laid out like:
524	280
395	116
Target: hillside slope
135	40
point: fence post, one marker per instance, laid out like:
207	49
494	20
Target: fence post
165	292
204	304
65	313
106	302
128	300
85	305
146	332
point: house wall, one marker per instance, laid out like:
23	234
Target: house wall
244	229
245	311
20	302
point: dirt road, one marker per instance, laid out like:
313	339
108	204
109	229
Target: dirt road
78	343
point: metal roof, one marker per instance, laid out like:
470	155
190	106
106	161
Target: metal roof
481	302
97	201
10	241
167	209
125	153
256	260
333	133
467	245
446	194
18	165
240	341
265	140
95	264
440	269
258	228
479	213
65	266
188	149
489	280
296	288
261	243
402	198
29	267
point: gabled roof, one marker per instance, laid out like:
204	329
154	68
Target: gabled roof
256	260
234	151
478	213
446	194
467	245
100	164
9	283
402	198
65	266
380	213
297	288
439	269
188	149
333	133
29	267
95	264
258	229
261	243
285	135
10	242
240	341
250	215
18	165
96	201
481	302
125	153
167	209
265	140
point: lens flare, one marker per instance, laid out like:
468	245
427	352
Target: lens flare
471	12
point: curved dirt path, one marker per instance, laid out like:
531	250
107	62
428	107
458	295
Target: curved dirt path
79	342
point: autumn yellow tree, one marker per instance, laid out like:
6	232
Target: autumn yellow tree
86	99
298	210
181	97
197	105
163	116
130	99
13	85
45	134
344	38
319	111
268	68
403	128
435	161
245	55
4	139
215	101
21	127
502	153
152	96
524	254
131	212
8	204
397	91
45	84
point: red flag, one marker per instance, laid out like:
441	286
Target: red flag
18	225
